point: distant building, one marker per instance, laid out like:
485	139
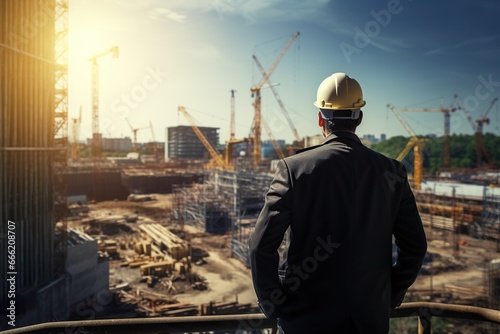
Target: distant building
313	140
280	142
182	143
370	138
116	144
373	140
268	151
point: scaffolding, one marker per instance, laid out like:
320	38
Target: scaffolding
493	284
491	217
30	146
60	162
227	202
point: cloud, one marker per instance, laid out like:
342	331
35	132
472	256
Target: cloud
160	13
281	10
253	11
388	44
473	43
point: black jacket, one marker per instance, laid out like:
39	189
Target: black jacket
342	203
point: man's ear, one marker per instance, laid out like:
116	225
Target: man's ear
360	118
321	121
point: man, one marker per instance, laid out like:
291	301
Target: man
341	203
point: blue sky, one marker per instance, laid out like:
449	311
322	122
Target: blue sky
193	52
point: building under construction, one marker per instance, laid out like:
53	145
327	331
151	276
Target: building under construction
228	202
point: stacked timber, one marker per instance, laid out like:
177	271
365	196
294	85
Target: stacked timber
439	222
137	263
154	304
179	309
213	308
109	245
159	269
160	266
143	247
167	241
464	292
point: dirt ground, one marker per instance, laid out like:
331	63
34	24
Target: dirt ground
462	267
228	279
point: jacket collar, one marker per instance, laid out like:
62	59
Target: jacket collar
341	134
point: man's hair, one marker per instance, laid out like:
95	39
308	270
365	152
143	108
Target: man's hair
332	125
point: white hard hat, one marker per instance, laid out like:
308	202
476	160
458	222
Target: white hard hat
339	92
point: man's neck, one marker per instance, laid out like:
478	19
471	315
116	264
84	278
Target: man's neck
326	134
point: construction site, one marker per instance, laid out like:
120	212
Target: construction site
166	234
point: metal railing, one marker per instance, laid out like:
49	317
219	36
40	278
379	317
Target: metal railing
426	311
247	322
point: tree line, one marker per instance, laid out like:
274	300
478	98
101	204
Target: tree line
462	151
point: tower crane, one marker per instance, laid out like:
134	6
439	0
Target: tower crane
280	102
96	138
482	153
219	161
485	119
134	131
75	155
232	142
275	145
417	144
231	125
257	142
446	113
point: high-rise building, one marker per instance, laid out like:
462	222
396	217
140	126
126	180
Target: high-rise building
181	142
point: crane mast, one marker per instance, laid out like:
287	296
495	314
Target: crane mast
482	153
257	141
96	137
485	119
232	121
75	155
280	102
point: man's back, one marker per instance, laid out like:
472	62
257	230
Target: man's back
343	202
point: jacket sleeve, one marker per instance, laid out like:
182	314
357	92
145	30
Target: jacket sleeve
271	225
412	245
